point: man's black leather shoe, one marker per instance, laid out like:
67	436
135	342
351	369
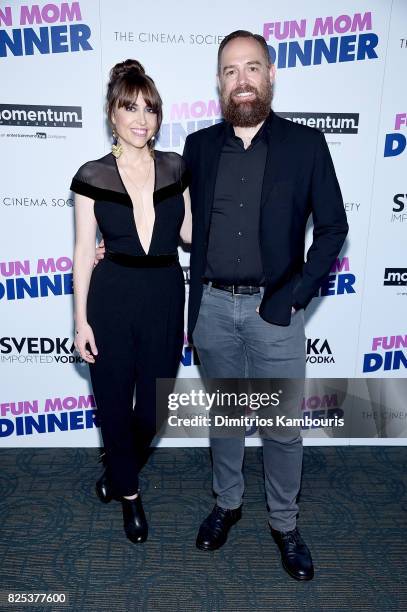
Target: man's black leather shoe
214	530
134	520
103	489
295	555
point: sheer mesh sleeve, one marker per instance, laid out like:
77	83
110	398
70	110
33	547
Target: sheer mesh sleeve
184	174
99	179
83	182
171	171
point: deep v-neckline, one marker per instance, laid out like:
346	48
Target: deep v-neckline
132	204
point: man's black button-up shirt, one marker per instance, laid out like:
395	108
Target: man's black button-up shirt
233	255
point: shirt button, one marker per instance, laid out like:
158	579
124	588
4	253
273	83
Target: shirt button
241	205
238	260
239	233
243	179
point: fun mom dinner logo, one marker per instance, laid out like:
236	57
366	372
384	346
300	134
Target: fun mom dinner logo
23	279
186	117
52	415
36	35
344	38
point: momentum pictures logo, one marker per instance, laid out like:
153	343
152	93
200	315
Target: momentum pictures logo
41	116
395	277
330	123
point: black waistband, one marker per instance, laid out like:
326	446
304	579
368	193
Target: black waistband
143	261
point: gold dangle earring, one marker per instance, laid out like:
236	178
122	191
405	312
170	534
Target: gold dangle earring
117	148
151	144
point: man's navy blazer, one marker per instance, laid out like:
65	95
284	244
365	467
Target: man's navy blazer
299	180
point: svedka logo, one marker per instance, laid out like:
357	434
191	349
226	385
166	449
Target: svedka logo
319	351
35	115
330	123
394	277
400	200
38	350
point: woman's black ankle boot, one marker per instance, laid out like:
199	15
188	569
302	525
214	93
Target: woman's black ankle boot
134	520
103	489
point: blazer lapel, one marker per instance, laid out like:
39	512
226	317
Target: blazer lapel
275	134
212	164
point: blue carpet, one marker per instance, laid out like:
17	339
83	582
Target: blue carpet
56	536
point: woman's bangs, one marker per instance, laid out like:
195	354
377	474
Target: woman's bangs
130	92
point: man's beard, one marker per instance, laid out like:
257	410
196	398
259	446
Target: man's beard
247	114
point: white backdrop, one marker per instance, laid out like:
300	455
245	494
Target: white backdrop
59	55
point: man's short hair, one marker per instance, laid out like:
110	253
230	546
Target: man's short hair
244	34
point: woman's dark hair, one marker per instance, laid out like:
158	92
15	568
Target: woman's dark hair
127	80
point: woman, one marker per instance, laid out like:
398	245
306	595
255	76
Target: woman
129	309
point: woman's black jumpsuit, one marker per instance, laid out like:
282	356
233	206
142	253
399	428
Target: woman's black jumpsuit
136	309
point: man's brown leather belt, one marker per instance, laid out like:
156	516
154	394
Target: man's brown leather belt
234	289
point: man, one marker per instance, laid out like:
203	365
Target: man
255	179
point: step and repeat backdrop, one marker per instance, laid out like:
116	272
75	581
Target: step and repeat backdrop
341	70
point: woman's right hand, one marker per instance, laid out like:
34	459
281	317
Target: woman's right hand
83	336
100	252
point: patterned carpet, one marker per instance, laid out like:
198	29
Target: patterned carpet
56	536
